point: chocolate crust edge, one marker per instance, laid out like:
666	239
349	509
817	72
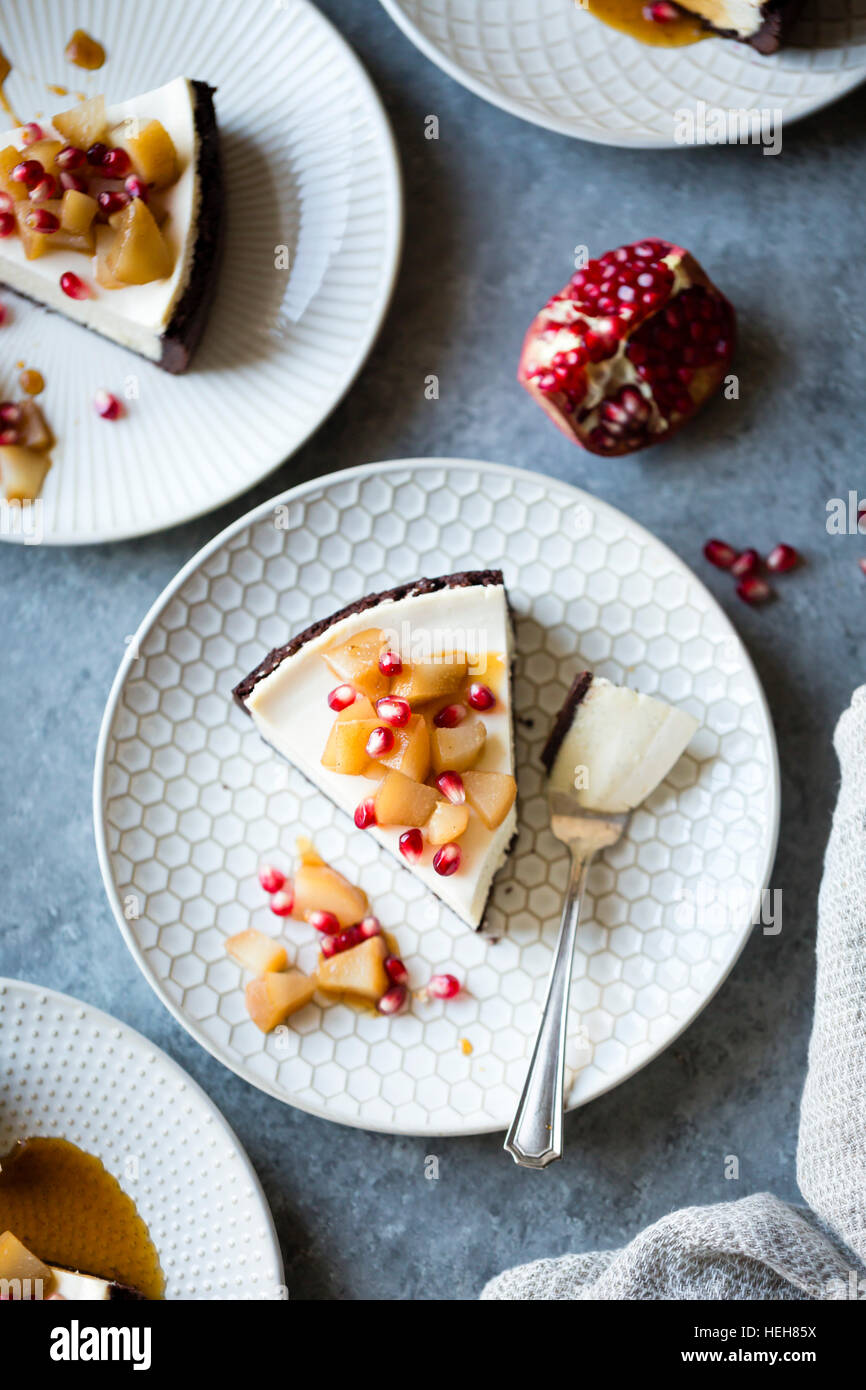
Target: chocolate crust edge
187	323
777	17
563	722
464	579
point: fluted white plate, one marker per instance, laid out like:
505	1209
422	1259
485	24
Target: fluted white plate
69	1071
553	63
310	164
188	799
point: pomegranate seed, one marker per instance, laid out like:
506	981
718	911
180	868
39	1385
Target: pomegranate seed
720	554
32	132
862	563
73	181
370	926
451	786
137	188
116	164
393	1000
46	188
271	879
396	970
446	861
2	313
481	696
106	405
346	939
748	562
443	986
323	921
752	590
42	221
450	716
341	697
28	172
660	12
394	710
782	558
70	157
390	664
329	946
283	902
365	814
110	203
7	202
7	224
9	437
412	845
380	742
96	154
72	285
10	414
861	517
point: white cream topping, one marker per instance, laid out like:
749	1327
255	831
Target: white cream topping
80	1288
620	746
137	315
291	711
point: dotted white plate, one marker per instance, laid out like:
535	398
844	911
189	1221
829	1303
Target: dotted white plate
188	799
310	165
555	64
70	1071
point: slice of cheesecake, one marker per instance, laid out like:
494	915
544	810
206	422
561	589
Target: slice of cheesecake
113	217
763	26
398	708
610	747
25	1277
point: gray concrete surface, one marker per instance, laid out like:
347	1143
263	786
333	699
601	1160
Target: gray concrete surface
493	210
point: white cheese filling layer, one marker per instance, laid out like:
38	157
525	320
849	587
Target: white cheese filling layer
620	746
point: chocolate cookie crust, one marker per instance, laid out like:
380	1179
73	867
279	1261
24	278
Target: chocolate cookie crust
564	720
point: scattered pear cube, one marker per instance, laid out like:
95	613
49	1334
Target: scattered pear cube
255	951
360	708
447	823
9	157
360	970
318	887
22	472
357	661
84	124
400	801
77	211
139	253
350	757
455	750
151	150
491	795
428	680
17	1262
45	151
272	998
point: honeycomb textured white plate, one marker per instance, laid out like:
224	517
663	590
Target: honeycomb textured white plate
188	799
69	1071
310	165
553	63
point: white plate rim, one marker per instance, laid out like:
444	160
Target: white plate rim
173	1067
636	140
100	773
394	231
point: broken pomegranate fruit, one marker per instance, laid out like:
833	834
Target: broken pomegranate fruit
630	349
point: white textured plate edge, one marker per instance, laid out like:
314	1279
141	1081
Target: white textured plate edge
364	470
394	232
174	1068
635	140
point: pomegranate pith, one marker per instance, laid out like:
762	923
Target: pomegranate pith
630	349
